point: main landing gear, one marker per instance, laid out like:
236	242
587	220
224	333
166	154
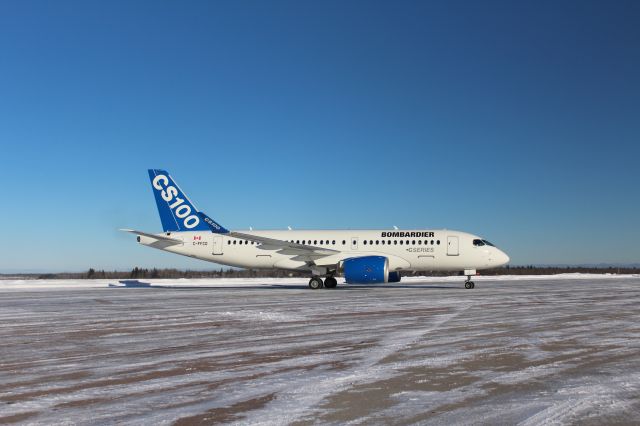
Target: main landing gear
316	282
330	282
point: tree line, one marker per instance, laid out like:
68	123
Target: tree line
151	273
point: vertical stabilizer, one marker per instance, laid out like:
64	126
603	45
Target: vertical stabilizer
177	212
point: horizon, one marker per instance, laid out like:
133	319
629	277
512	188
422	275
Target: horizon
214	267
515	122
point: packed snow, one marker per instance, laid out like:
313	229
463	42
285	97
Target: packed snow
528	350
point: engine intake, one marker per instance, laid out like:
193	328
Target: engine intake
394	277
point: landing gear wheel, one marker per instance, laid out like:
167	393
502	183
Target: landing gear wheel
315	283
469	285
330	282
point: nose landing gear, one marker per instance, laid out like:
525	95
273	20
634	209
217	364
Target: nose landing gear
468	284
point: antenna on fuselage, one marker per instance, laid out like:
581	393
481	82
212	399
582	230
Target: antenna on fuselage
289	228
395	227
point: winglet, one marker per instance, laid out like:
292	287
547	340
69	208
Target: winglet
212	224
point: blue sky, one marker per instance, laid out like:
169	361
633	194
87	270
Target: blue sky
518	121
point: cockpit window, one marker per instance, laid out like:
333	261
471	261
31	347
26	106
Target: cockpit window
488	243
478	243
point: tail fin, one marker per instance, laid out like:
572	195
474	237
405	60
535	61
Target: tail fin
177	212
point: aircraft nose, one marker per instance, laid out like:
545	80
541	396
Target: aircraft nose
502	258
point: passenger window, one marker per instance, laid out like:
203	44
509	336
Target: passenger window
395	242
413	243
377	242
333	242
431	242
229	242
365	242
438	242
344	242
401	242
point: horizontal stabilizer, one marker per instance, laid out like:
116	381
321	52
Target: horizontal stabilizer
157	237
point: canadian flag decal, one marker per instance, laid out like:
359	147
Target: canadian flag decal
197	237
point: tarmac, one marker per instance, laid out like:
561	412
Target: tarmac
559	350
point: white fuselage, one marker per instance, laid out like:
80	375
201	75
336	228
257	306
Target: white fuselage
407	250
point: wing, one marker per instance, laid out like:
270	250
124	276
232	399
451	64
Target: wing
303	252
285	247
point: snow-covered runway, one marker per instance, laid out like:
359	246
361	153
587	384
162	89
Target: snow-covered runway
513	350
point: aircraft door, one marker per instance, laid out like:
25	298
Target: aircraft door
452	246
354	243
216	247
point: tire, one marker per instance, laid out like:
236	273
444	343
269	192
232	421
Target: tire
315	283
330	282
468	285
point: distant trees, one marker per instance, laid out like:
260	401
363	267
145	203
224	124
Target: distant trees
155	273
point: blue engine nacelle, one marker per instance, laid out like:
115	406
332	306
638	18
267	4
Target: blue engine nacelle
366	270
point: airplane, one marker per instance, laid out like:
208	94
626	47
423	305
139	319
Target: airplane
360	256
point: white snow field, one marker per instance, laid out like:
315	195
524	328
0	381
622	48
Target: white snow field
514	350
